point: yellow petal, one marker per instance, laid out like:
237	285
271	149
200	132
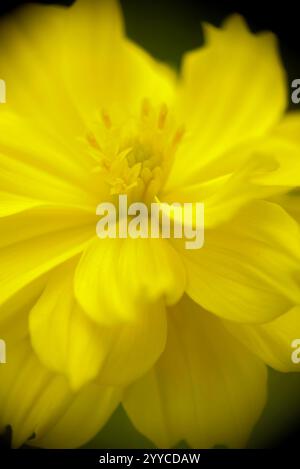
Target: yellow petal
35	241
14	311
64	338
206	389
256	169
111	72
291	203
289	128
11	204
273	341
222	106
34	401
225	195
284	144
116	277
248	268
91	66
134	348
25	50
86	414
35	165
67	341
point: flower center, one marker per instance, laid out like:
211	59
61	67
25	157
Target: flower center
134	155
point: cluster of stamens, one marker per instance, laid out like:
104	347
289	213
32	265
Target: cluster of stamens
135	156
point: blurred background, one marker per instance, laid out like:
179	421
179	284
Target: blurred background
167	29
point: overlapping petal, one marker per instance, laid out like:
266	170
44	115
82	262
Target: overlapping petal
206	389
35	166
67	341
40	407
223	108
36	240
273	341
283	144
223	197
117	278
111	70
248	269
238	147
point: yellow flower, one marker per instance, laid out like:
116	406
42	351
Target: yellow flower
180	337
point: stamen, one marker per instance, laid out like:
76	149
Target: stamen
178	136
135	157
106	119
146	174
92	140
145	109
162	116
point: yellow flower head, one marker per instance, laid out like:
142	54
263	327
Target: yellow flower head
179	337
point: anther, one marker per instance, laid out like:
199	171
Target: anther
145	109
162	116
178	135
106	119
92	140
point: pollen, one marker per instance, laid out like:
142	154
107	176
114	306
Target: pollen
134	154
